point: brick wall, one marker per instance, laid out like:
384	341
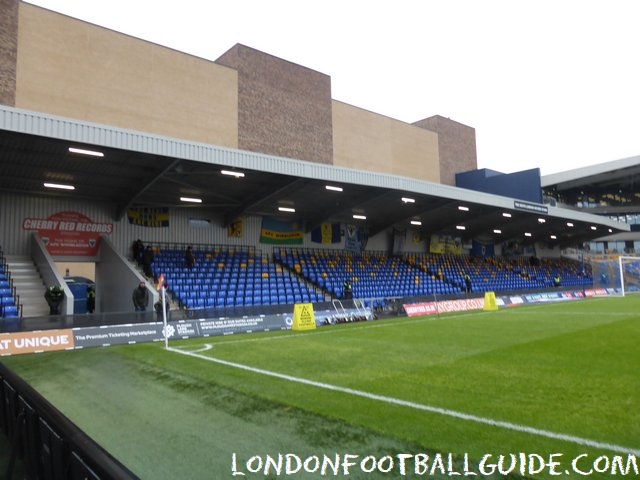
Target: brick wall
8	51
284	109
456	146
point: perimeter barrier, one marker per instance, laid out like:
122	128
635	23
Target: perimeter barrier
44	443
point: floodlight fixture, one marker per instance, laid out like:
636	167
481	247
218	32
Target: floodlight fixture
59	186
84	151
190	200
232	173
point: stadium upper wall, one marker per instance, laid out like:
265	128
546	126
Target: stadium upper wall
78	70
246	99
367	141
180	228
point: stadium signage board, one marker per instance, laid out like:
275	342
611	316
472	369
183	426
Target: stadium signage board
446	306
104	336
530	207
36	342
468	304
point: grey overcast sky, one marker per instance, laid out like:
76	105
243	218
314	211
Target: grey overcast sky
553	84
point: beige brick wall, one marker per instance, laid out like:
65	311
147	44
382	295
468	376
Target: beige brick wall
8	50
284	109
368	141
456	144
75	69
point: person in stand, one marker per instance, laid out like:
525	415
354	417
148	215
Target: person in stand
348	291
91	299
138	250
467	283
140	297
147	260
189	259
54	297
158	308
556	280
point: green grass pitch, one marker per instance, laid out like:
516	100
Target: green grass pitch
553	379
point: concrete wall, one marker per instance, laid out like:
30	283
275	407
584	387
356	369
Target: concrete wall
48	272
117	279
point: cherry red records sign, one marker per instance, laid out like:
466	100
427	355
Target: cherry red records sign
69	233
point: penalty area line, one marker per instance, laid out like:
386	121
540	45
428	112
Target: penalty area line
585	442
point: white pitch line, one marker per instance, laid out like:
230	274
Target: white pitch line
585	442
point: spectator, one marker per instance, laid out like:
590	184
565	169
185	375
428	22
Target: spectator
158	308
91	299
54	296
140	297
147	260
467	283
347	290
138	250
189	259
556	280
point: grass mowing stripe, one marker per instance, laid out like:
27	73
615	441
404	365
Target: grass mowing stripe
531	309
417	406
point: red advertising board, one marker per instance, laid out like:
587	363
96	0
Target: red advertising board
446	306
69	233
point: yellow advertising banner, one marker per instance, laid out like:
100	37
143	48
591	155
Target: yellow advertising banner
34	342
445	244
235	229
303	317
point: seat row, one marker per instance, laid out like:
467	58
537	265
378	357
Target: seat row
297	274
224	281
8	306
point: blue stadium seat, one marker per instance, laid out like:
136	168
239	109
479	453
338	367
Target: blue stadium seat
6	301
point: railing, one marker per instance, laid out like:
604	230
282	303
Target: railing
202	247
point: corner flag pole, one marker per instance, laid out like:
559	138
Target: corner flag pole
164	316
160	287
584	273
